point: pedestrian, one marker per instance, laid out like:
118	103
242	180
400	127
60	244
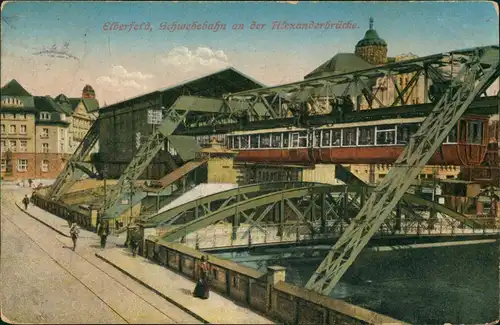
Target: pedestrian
74	231
30	182
26	202
103	232
202	289
133	244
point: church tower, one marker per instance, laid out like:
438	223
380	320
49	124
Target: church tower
372	48
88	92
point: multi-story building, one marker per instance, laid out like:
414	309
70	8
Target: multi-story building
37	132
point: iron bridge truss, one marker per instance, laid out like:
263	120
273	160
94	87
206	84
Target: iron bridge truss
314	209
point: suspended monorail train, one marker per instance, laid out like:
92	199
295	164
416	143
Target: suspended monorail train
373	142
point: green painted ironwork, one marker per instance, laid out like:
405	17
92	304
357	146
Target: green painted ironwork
269	199
481	68
147	151
72	171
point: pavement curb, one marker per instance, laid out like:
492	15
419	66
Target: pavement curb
41	221
190	312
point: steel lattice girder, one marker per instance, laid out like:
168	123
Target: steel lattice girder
304	91
268	199
147	151
237	194
72	171
474	78
221	123
232	203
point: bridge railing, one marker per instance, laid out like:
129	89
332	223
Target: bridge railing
63	211
220	235
266	293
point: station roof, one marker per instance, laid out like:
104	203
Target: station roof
340	63
213	85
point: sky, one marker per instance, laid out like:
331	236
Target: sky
120	64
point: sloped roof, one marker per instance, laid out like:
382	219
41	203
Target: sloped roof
91	104
213	85
13	88
340	63
47	104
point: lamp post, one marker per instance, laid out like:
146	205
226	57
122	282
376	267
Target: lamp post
131	204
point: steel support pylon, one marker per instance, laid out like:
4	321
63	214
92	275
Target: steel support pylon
147	151
71	173
474	80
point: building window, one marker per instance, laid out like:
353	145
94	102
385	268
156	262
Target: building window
3	128
13	146
45	133
12	129
22	129
62	147
45	147
25	116
23	146
4	164
22	165
44	166
3	145
44	116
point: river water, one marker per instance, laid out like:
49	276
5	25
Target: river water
454	284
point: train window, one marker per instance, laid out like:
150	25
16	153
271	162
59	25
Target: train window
349	137
265	140
299	140
386	134
366	136
276	140
303	139
244	142
317	140
286	139
254	141
325	138
452	136
463	131
475	133
405	131
336	138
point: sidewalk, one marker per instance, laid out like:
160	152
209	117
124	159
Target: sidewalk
177	289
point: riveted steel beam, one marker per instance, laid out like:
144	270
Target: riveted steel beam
147	151
480	70
71	172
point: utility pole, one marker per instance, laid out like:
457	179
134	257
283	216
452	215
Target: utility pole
131	197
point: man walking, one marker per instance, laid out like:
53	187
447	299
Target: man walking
103	232
26	201
74	231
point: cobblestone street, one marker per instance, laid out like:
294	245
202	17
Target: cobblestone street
43	281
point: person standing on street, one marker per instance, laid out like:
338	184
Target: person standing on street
26	201
103	232
74	231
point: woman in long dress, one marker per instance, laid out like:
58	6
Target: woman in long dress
202	290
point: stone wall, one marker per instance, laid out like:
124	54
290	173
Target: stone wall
264	293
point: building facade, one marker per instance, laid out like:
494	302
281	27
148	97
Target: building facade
37	136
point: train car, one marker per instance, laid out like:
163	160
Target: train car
373	142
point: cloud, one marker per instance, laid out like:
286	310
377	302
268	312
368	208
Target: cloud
121	79
184	59
120	72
